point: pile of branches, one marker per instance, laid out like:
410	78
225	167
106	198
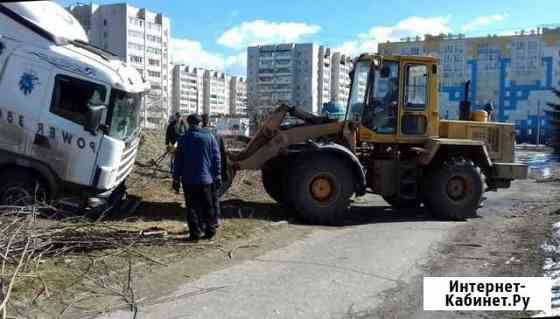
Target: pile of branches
27	239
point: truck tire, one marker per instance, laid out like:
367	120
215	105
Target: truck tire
21	187
455	190
320	189
397	202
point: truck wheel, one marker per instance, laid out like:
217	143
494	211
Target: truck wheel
455	190
21	188
320	189
397	202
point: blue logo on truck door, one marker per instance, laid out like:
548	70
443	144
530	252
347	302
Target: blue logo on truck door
27	82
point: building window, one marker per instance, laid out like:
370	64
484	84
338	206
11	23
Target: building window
153	38
136	59
135	46
153	62
153	50
136	34
154	74
72	98
105	22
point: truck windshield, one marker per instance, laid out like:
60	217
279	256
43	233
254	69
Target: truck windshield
358	91
124	114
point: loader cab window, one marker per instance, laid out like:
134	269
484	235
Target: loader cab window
381	111
415	100
72	97
416	87
358	91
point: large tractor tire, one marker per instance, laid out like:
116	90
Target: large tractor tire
274	179
20	187
397	202
320	189
455	190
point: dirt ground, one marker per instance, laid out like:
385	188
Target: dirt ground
86	284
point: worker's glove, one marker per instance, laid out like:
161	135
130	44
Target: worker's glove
176	185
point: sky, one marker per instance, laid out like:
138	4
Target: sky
215	34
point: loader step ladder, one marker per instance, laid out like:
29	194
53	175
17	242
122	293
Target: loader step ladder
408	180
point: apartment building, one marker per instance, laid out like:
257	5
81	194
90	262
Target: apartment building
516	73
306	75
188	89
293	74
216	93
238	96
137	36
340	80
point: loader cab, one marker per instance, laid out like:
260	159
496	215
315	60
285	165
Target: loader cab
394	99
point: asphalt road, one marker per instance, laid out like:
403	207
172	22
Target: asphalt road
333	272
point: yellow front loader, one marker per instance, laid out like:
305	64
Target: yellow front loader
392	143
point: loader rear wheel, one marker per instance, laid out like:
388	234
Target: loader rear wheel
397	202
20	187
321	188
455	190
274	180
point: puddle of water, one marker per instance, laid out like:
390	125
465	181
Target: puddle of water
541	164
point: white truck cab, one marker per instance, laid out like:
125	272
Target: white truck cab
69	112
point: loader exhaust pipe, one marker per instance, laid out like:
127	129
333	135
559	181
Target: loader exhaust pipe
465	105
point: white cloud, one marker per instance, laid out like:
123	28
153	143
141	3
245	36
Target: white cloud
481	22
237	64
410	27
265	32
190	52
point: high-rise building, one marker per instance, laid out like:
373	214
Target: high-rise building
294	74
340	80
216	93
137	36
515	73
238	96
188	89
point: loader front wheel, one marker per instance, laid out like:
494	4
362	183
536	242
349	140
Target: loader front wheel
320	188
273	180
454	191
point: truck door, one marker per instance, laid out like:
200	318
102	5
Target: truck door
72	148
414	107
24	85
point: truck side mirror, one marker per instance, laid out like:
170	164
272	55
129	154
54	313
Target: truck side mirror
94	116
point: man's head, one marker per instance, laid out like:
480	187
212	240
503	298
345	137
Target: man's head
194	120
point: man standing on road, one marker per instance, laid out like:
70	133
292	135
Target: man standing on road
223	156
197	168
173	133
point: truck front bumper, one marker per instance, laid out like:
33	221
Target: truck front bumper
503	173
510	171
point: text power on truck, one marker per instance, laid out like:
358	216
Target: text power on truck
69	111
